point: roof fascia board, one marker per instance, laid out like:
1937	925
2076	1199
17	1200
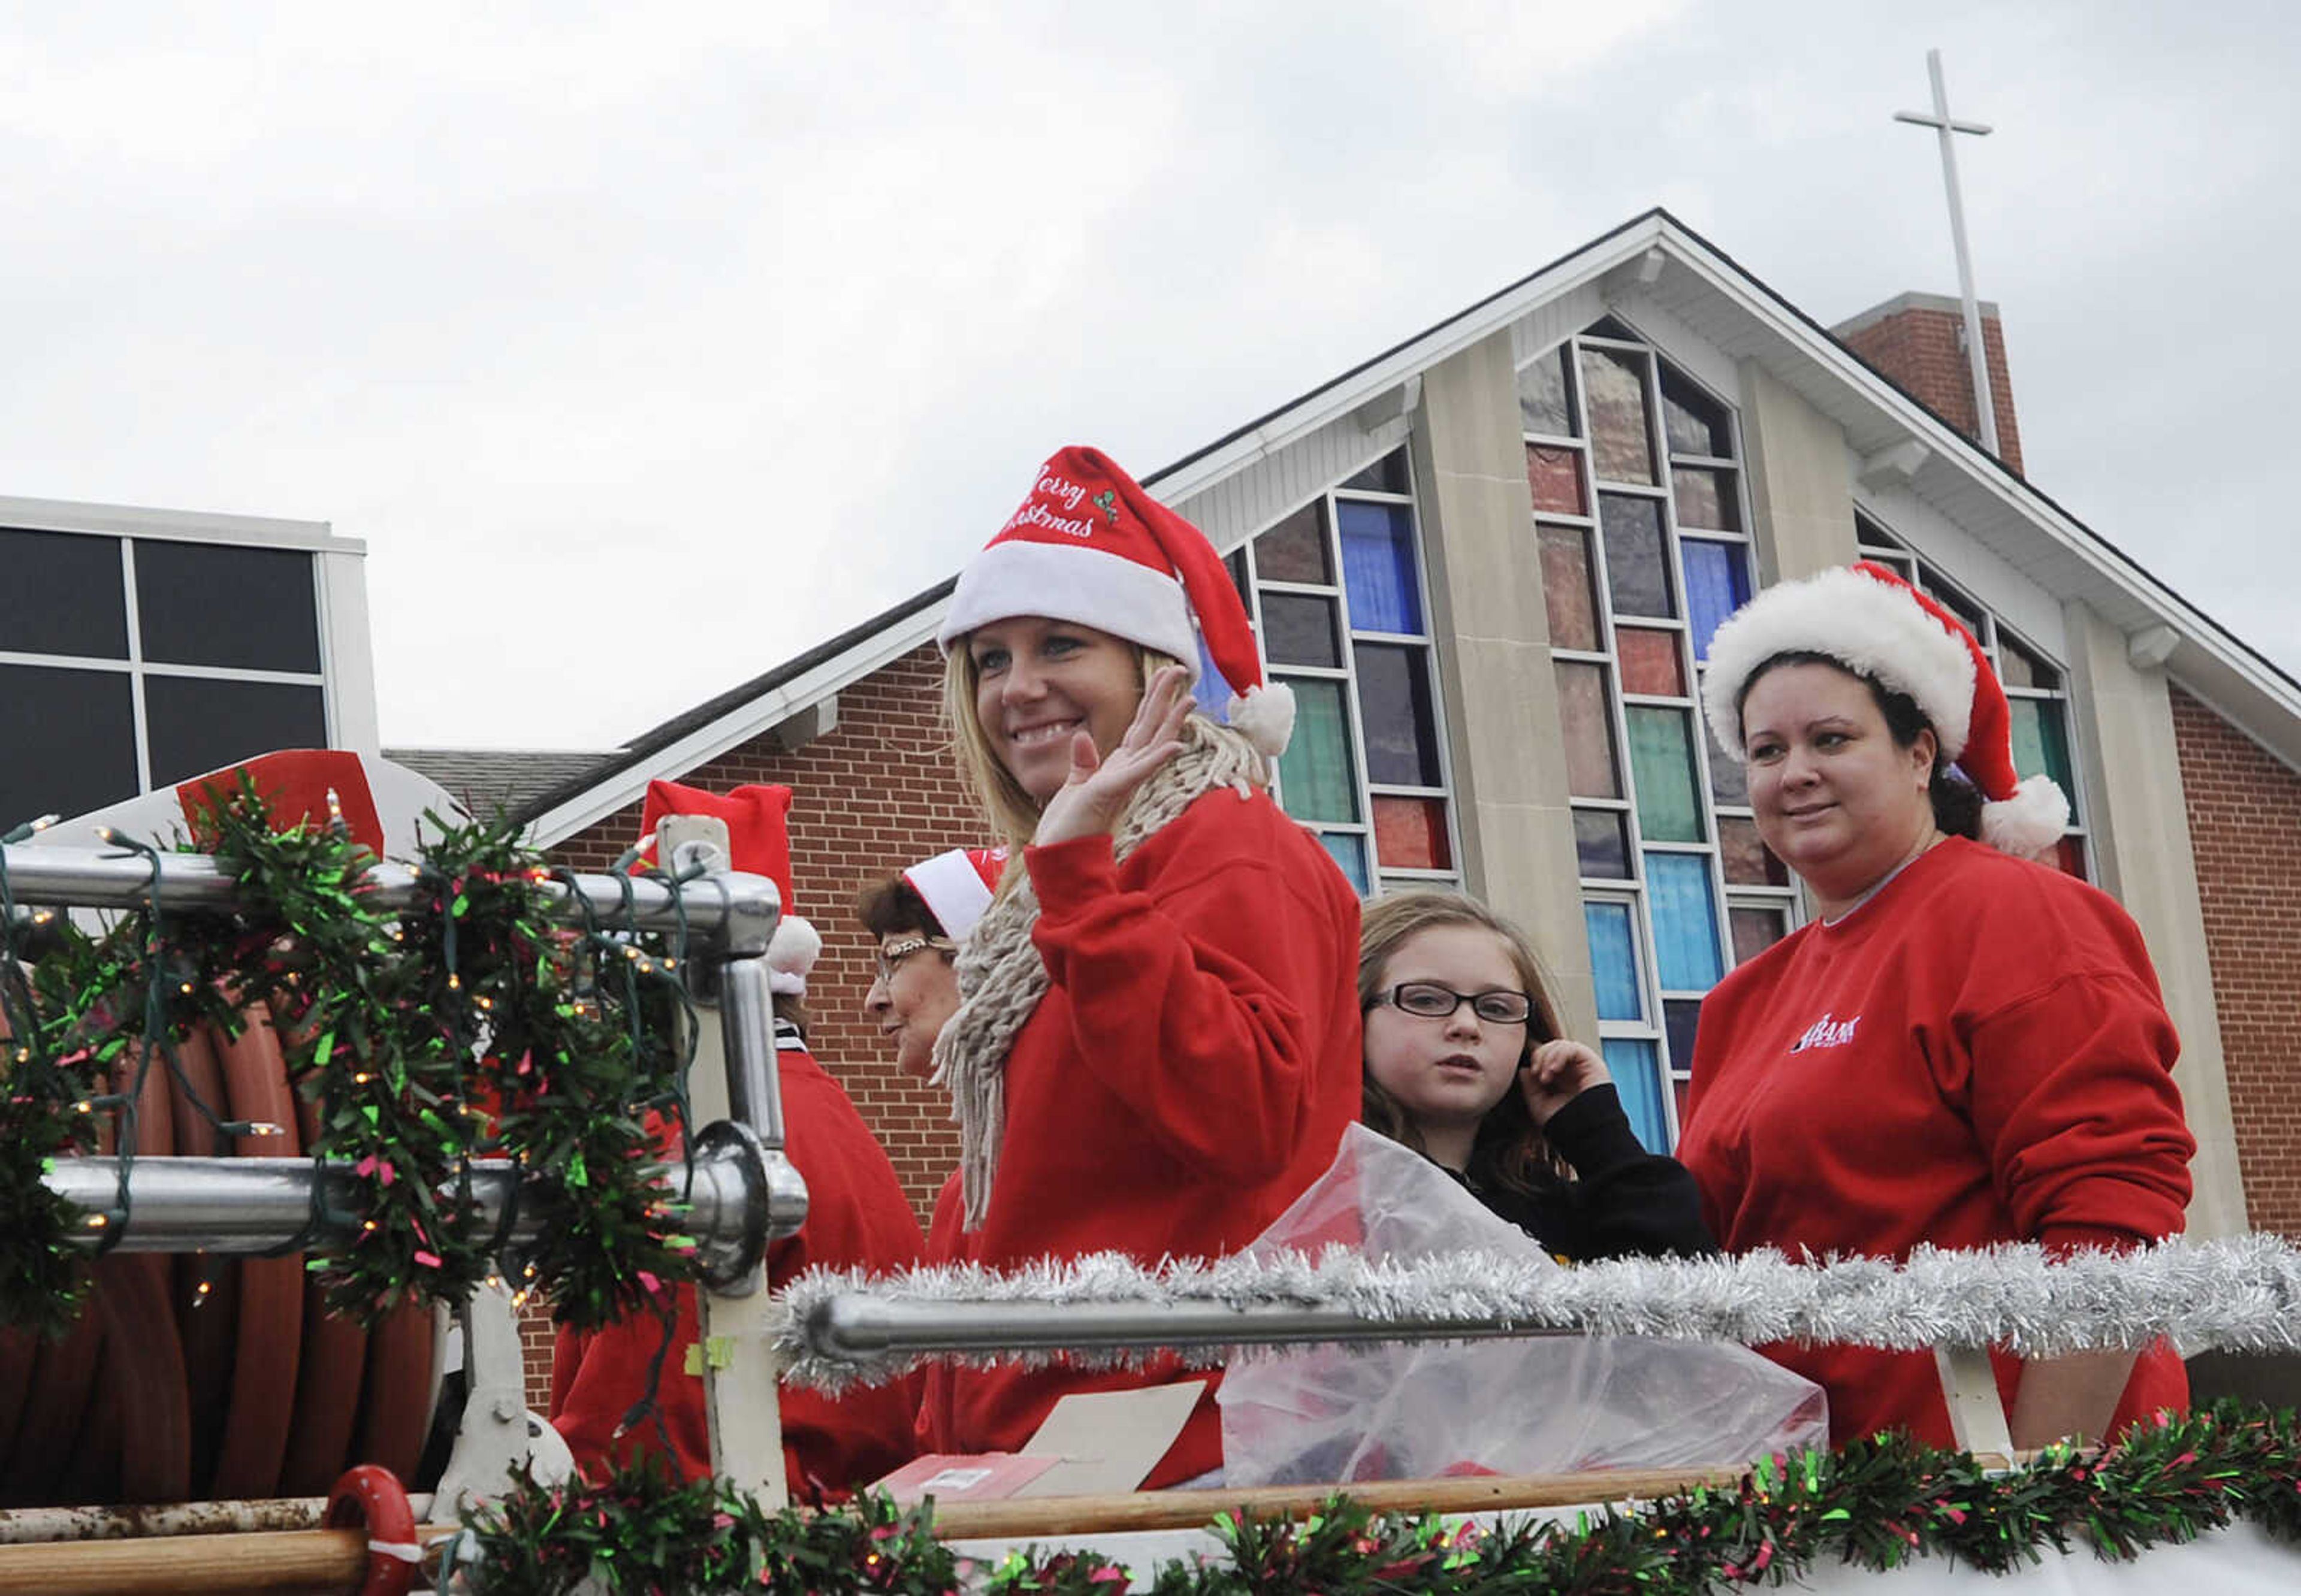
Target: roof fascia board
762	714
2106	564
1448	339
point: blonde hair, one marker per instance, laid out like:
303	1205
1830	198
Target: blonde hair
1510	1149
1013	813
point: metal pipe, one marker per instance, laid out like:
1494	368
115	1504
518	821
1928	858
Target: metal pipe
257	1205
860	1327
727	909
746	1009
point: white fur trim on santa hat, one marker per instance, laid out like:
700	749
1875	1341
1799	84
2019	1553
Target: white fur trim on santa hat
1873	629
792	953
1266	716
953	891
1087	586
2033	818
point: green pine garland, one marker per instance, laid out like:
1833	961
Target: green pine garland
1877	1504
472	1025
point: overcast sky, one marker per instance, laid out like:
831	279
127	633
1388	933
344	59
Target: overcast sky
645	346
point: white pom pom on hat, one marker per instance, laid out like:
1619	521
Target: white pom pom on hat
1876	624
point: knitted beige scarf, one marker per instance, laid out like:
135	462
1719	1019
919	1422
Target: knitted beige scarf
1001	977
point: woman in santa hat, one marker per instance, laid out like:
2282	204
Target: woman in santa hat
1961	1048
918	916
856	1218
1159	1044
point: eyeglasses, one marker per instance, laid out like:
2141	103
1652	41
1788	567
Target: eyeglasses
1428	1001
889	956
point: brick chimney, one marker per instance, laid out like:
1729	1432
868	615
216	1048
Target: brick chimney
1918	340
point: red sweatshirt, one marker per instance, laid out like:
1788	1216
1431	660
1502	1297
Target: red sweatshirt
1187	1074
857	1218
1977	1054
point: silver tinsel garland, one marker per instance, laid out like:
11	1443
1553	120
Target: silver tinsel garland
2240	1294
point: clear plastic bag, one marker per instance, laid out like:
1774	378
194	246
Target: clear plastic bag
1546	1404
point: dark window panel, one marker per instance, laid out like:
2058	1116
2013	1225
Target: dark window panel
1409	833
1870	534
1297	629
1607	327
1401	732
67	741
2018	667
1295	549
1694	422
1385	475
1755	930
1638	567
1952	599
59	593
1601	844
1729	779
249	609
1706	499
1555	476
1678	1018
1565	587
198	725
1546	402
1614	390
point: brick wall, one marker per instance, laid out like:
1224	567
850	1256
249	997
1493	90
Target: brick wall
1920	348
2245	825
875	794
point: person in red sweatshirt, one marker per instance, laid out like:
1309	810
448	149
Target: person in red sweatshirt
857	1218
1157	1048
1961	1048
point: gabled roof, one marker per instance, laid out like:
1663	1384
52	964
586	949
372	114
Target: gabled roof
485	780
1656	271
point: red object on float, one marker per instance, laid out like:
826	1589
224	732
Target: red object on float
373	1498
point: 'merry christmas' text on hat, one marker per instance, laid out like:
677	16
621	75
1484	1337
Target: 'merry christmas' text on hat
1090	545
957	886
759	841
1878	625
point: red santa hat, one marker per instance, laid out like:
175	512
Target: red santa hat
1877	625
957	886
1090	545
758	840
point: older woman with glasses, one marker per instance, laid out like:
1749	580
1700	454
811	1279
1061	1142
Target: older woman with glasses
1464	1065
919	916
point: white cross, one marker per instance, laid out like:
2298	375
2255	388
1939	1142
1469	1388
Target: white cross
1942	122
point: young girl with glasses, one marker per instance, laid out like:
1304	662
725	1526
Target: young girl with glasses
1464	1064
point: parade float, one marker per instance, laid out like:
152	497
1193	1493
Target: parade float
279	1110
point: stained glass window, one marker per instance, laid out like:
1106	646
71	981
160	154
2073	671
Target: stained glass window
1316	772
1555	475
1644	551
1662	770
1637	1082
1378	566
1297	629
1614	384
1565	587
1637	557
1716	584
2036	693
1336	590
1614	961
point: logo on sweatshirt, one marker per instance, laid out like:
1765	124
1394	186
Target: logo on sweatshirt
1826	1032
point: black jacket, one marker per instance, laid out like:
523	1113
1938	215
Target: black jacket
1623	1201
